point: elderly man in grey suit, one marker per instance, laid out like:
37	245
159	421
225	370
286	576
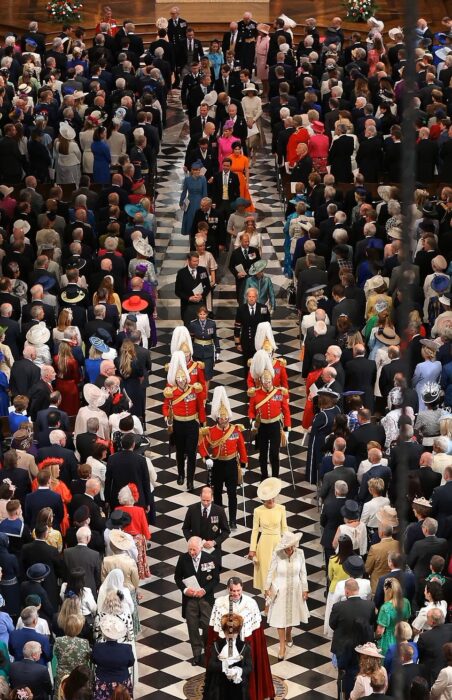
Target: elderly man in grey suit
82	556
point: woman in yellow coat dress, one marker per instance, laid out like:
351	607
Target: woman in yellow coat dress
269	521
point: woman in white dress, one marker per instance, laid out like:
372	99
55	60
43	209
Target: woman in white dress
287	588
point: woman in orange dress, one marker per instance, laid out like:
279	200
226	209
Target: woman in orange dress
241	166
52	464
138	527
68	378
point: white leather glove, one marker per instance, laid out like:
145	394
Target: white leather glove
209	463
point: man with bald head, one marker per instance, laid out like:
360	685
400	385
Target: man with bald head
339	473
424	476
107	369
339	445
92	489
377	471
37	299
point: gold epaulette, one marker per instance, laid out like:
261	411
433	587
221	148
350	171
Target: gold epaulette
201	365
240	427
284	390
167	367
203	432
168	392
249	362
251	391
197	387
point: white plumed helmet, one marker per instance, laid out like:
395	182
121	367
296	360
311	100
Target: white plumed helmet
177	365
220	404
180	338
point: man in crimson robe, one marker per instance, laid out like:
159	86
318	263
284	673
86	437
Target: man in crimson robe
260	680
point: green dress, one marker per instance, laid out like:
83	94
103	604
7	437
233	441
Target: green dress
388	618
69	652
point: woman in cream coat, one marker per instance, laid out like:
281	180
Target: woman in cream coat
269	521
287	588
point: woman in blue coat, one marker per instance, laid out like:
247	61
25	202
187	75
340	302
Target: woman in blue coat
102	157
321	427
193	190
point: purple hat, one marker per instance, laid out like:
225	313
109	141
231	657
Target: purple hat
229	124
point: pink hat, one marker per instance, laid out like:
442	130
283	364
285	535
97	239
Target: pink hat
229	124
318	127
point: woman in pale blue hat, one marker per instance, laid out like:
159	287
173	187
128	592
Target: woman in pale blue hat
264	286
193	190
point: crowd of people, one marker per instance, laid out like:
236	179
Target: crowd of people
82	123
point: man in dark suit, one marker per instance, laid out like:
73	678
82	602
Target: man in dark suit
85	442
117	187
340	156
247	319
424	475
311	277
39	552
197	94
430	644
229	40
177	31
83	556
44	497
331	517
96	518
198	123
388	372
40	392
188	278
41	424
397	570
360	373
124	467
58	449
422	551
442	503
203	152
369	157
344	306
364	433
29	673
11	330
189	49
24	373
225	187
352	622
197	602
18	638
408	670
339	473
316	343
246	256
377	471
212	526
392	150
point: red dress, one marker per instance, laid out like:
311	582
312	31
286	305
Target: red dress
68	386
308	414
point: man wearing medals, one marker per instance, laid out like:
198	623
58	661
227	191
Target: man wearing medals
181	340
260	678
224	443
269	412
183	409
265	341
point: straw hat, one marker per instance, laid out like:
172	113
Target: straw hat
289	539
269	488
439	260
369	649
143	248
376	23
264	28
112	627
387	336
388	516
38	334
66	131
120	540
395	233
73	294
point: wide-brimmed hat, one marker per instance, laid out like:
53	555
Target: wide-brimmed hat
429	210
446	299
421	501
66	131
388	516
350	510
79	94
430	344
354	566
36	572
98	344
395	233
375	282
264	28
132	209
135	303
289	539
250	87
440	283
431	392
75	262
118	519
211	98
38	334
326	391
73	294
258	266
112	627
318	127
6	191
269	488
93	395
143	248
22	440
22	225
47	282
369	649
81	514
387	336
240	202
24	88
120	540
392	33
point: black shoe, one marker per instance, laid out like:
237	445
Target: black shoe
195	661
201	661
180	480
190	486
233	525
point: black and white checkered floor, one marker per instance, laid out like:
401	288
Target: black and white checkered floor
163	649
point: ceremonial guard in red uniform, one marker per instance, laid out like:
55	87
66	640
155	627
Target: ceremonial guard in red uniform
224	443
184	410
265	342
269	411
181	340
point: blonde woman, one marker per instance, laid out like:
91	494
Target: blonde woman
207	260
64	322
269	525
308	319
131	372
395	606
